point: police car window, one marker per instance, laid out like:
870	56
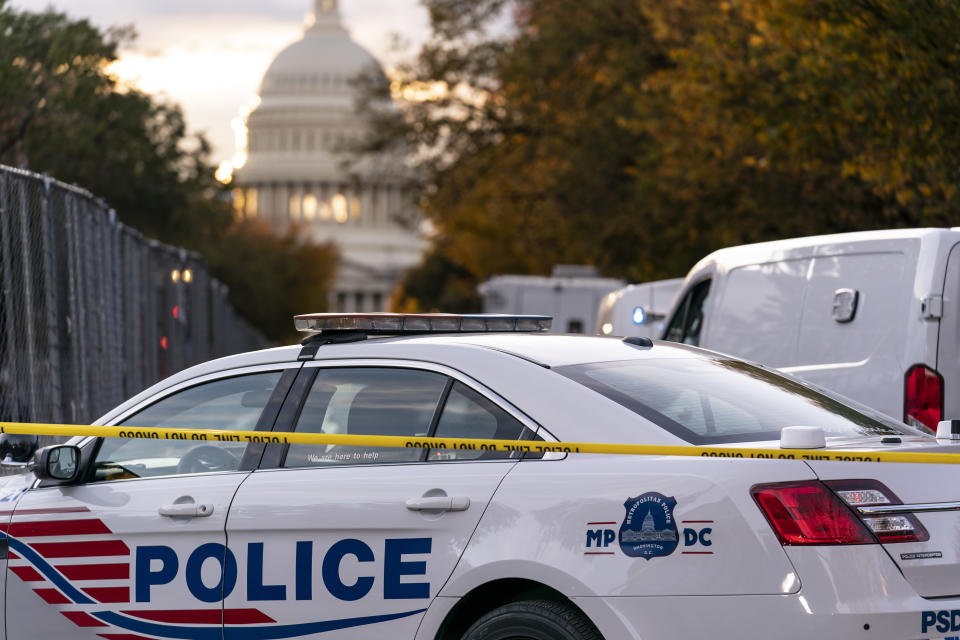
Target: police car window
366	401
714	400
229	403
467	414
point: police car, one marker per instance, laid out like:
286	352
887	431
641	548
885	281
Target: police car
132	539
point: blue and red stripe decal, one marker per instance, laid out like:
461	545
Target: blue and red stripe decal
198	624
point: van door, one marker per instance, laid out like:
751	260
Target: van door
948	344
864	356
758	313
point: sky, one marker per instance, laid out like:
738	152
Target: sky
209	55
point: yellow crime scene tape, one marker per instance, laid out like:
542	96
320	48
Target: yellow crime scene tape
531	446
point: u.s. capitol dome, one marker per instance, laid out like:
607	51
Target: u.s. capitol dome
299	169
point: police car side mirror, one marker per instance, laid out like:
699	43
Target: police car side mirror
60	463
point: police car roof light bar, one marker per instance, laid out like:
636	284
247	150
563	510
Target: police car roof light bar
393	324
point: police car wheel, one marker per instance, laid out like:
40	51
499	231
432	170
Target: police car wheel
533	620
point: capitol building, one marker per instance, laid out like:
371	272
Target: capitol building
296	170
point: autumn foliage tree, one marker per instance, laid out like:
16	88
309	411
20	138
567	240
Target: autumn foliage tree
796	117
638	135
274	277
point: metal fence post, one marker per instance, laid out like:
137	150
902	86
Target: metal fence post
7	321
26	304
51	282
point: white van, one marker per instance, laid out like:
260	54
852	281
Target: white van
570	295
637	309
871	315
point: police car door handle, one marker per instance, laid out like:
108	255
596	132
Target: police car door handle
186	510
438	503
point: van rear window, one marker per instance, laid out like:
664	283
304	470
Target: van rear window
715	400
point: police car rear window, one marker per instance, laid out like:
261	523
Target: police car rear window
706	400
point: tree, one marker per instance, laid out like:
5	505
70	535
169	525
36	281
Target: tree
800	117
273	277
65	115
524	158
45	61
437	284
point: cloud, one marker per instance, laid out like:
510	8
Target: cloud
198	22
113	12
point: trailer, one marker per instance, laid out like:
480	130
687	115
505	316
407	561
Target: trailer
571	295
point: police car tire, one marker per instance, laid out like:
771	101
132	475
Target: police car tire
533	620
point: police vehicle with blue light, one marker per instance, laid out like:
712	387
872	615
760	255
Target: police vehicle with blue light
139	538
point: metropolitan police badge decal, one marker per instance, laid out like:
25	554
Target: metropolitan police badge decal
649	529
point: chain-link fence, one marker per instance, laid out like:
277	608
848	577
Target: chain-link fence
91	312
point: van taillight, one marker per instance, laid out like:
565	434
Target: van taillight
804	513
923	398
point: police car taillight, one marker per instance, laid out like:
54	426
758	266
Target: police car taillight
861	495
836	512
418	323
809	513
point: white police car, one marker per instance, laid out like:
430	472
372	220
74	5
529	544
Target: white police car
197	541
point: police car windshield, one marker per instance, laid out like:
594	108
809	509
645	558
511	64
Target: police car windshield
714	400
